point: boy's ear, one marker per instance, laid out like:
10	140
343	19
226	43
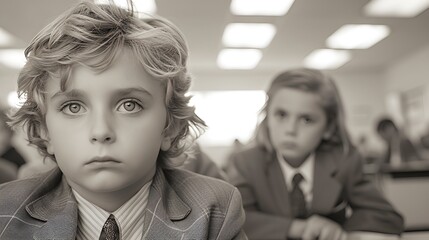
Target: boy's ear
49	147
45	136
166	143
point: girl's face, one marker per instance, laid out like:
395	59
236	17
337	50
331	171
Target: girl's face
296	124
106	129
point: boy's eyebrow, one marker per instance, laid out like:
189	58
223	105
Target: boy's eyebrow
127	91
120	92
71	93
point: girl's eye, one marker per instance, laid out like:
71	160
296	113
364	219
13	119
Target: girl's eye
73	109
307	120
130	107
280	114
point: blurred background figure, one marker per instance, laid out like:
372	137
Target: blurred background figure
200	162
399	148
236	147
8	171
14	164
35	167
364	148
424	141
7	150
10	159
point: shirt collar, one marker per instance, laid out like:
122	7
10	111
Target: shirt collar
306	169
130	216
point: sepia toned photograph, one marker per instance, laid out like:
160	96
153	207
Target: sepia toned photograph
214	120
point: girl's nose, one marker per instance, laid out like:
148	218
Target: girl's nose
290	126
102	130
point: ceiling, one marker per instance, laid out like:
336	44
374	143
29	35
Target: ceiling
303	29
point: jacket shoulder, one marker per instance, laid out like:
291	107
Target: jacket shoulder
13	194
20	192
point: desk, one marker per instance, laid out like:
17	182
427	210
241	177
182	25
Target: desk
415	169
371	236
378	236
406	186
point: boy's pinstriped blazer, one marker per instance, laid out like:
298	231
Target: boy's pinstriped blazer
181	205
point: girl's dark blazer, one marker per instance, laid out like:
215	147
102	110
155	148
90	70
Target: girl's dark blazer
181	205
339	185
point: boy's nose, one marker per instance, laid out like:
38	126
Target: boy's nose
102	139
102	130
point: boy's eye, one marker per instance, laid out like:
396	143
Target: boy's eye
130	106
73	108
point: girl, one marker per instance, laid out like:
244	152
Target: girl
303	178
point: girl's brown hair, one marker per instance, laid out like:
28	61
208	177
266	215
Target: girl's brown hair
312	81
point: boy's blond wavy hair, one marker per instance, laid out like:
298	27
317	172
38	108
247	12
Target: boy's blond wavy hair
90	32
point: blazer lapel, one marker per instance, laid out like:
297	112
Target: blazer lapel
61	226
57	208
326	188
276	182
164	206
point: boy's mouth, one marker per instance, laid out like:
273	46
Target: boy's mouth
105	159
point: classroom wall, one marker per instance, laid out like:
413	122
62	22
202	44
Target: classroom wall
363	98
410	76
409	72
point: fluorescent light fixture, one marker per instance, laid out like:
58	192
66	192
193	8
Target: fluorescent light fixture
146	6
357	36
250	35
259	7
141	6
239	58
5	38
395	8
327	58
13	58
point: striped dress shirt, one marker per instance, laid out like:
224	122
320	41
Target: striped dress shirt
129	217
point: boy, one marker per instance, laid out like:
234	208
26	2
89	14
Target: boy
105	98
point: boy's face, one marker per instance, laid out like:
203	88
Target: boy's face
296	124
106	129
